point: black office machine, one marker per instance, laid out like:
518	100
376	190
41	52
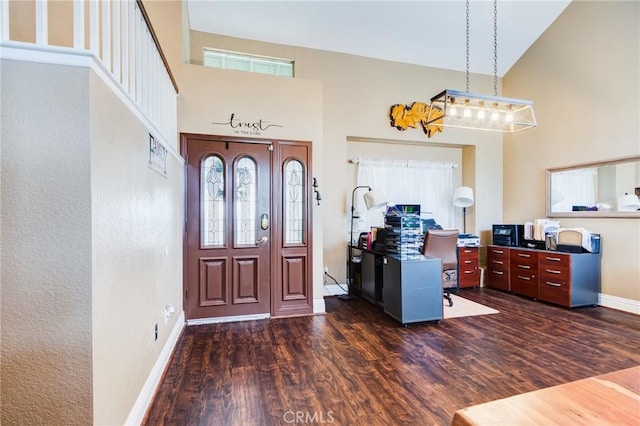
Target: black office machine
508	235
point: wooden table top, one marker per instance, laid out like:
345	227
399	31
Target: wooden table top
608	399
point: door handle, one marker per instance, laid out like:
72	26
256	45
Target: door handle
264	239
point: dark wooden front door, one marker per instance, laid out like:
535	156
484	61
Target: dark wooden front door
228	228
248	240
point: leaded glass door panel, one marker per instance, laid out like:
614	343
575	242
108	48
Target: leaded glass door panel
228	228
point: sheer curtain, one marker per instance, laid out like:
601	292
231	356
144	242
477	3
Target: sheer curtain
573	187
427	183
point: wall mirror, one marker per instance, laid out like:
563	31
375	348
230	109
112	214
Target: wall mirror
600	189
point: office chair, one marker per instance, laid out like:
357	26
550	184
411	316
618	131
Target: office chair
443	244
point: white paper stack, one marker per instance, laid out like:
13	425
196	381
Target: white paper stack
528	230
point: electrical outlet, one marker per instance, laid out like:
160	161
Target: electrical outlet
326	270
169	310
156	332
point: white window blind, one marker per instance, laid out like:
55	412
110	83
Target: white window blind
246	62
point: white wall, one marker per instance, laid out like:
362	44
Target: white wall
46	289
137	217
1	180
92	242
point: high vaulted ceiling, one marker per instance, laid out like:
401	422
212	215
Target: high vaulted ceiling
427	32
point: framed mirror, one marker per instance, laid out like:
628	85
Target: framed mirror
599	189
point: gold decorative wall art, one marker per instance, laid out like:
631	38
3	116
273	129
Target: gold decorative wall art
419	113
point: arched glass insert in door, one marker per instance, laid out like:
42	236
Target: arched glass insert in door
293	202
245	191
213	202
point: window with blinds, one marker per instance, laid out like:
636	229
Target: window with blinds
250	63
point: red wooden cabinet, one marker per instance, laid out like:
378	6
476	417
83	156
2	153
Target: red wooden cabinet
498	267
565	279
524	272
468	272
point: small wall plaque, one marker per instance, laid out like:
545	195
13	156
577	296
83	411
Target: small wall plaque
157	156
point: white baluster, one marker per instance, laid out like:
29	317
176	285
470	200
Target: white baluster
4	21
105	37
138	56
42	22
116	30
78	24
94	28
126	40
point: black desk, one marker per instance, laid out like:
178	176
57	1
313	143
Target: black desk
371	276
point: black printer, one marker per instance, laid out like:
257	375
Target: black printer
508	235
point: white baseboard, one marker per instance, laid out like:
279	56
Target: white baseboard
613	302
318	306
136	415
201	321
619	303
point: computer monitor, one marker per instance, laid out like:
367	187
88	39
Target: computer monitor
403	209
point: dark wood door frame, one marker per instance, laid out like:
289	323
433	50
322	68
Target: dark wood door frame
291	264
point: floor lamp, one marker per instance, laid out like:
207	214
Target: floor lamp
372	199
463	197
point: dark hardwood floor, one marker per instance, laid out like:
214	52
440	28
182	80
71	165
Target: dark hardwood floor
357	366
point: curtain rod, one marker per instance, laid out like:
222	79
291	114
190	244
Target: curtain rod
357	161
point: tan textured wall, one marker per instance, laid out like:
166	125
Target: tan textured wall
209	95
1	135
583	75
46	238
93	249
357	95
137	219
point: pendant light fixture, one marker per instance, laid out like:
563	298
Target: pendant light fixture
454	108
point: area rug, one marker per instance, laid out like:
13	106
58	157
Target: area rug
465	308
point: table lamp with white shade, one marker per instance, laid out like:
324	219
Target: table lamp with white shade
628	203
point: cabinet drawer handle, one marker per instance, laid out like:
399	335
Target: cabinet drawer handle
554	259
551	271
468	261
524	266
469	272
554	284
524	278
497	251
498	272
499	262
524	255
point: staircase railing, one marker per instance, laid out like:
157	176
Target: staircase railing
116	33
